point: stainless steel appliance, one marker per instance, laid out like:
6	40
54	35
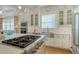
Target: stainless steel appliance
21	42
76	33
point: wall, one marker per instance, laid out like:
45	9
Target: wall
47	10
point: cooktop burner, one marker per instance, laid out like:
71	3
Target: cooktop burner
22	42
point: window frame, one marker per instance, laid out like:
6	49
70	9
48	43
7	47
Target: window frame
8	24
48	22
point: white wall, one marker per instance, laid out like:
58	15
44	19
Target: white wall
47	10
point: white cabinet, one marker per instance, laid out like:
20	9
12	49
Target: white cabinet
61	41
62	38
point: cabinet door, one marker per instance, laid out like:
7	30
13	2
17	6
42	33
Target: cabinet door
32	20
36	19
69	16
66	41
16	24
61	17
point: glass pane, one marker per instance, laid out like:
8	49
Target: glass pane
61	18
48	21
31	19
8	24
8	27
69	16
36	19
47	18
12	27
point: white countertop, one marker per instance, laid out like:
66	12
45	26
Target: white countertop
63	29
9	49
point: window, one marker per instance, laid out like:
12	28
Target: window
48	21
8	25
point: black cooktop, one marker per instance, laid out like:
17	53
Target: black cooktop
22	42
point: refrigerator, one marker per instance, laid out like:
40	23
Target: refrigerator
76	33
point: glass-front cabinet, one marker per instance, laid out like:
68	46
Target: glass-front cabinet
69	16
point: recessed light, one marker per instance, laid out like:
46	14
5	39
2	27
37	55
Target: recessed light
19	7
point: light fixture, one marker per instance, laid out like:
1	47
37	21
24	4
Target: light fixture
19	7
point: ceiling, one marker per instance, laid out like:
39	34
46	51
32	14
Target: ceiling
10	10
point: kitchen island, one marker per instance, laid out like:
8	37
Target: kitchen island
9	49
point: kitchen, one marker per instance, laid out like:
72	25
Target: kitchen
48	26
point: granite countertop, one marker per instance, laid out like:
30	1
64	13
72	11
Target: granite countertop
8	49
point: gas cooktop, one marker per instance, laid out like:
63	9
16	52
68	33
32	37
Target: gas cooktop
22	42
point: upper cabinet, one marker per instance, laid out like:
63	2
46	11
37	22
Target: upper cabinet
69	16
61	17
36	19
31	19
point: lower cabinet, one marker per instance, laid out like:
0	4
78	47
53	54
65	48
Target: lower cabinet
59	41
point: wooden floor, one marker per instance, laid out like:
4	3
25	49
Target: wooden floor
52	50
